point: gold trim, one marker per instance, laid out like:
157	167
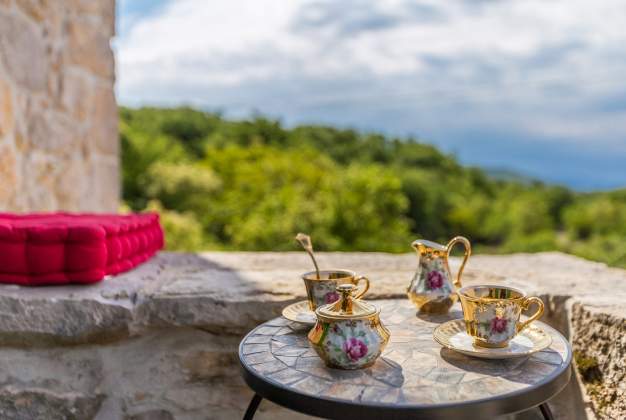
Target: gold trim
330	318
487	298
468	251
525	305
537	335
312	275
348	307
423	246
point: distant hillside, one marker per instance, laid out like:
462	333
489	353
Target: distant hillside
502	174
252	184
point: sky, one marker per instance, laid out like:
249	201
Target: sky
535	87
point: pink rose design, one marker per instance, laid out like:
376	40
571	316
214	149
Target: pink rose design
355	348
434	280
498	325
331	297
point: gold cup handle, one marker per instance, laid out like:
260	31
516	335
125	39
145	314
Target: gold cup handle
525	305
468	251
365	288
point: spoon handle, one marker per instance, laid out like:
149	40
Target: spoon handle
305	241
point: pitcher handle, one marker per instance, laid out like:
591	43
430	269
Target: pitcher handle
525	305
468	251
365	288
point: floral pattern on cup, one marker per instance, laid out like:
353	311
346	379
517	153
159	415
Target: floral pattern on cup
498	325
324	292
350	344
496	322
331	297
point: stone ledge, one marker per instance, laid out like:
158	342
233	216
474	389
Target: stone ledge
233	292
226	294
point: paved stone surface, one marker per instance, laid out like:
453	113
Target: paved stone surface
41	404
215	298
234	292
413	370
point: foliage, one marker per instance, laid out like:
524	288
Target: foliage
183	231
252	184
181	186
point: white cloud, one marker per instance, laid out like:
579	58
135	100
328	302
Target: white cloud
531	67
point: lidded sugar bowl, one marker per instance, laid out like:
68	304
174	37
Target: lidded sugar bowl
348	333
432	289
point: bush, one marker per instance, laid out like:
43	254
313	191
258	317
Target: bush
182	231
186	187
253	184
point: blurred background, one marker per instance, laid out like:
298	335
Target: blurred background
371	123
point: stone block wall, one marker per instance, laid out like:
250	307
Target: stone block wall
58	116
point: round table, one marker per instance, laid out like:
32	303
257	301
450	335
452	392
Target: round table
414	378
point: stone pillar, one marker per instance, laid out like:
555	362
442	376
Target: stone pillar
59	147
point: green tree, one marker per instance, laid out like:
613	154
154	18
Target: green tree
183	230
252	184
268	194
182	186
139	152
370	210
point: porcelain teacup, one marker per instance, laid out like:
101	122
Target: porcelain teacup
323	291
492	313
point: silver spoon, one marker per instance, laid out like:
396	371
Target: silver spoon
305	241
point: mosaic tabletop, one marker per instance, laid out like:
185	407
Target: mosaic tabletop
414	371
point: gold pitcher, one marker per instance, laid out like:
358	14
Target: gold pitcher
432	289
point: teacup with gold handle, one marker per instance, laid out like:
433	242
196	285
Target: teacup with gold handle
321	287
492	313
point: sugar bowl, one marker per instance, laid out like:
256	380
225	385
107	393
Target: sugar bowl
348	333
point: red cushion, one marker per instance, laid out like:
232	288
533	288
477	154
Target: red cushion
62	248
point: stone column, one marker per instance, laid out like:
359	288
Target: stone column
59	146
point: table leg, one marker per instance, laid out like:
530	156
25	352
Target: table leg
545	410
254	404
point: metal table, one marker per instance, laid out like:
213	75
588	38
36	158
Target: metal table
414	378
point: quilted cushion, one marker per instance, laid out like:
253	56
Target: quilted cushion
62	248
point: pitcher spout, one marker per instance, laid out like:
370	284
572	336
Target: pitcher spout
423	246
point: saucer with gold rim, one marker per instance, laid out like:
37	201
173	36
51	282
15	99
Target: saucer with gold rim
300	312
453	335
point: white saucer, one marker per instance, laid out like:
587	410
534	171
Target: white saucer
452	335
299	312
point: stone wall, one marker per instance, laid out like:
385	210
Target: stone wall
58	116
160	342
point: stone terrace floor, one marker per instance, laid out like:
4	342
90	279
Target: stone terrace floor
160	341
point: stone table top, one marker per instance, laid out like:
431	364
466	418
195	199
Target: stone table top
414	376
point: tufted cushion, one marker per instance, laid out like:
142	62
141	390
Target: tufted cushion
61	248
